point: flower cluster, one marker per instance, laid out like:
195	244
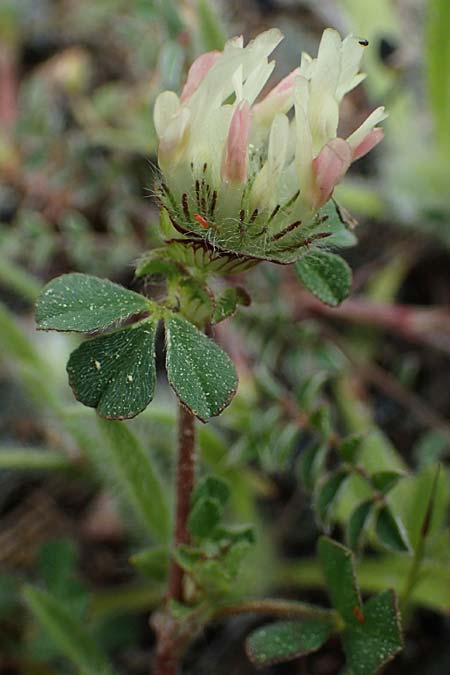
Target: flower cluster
237	172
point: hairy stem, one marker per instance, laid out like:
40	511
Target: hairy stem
184	486
280	608
169	641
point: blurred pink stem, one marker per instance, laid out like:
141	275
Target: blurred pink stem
418	324
8	90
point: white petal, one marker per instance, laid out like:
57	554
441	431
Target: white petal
237	80
304	141
328	63
278	144
306	65
256	80
374	118
323	110
352	51
264	44
166	107
234	43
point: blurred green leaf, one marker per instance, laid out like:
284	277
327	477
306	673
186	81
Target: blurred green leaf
170	16
211	487
115	373
152	562
320	419
199	371
27	459
338	569
15	344
384	481
438	67
390	531
212	32
311	463
19	280
350	447
57	565
327	493
356	524
82	303
137	478
71	637
286	640
205	515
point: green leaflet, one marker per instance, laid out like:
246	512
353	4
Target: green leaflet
204	517
327	493
377	638
115	373
357	523
83	303
391	532
326	275
286	640
339	573
199	371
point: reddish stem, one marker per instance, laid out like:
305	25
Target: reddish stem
184	486
8	89
169	640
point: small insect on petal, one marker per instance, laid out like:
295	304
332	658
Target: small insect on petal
201	221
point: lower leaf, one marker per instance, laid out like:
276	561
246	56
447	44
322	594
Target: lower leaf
376	638
286	640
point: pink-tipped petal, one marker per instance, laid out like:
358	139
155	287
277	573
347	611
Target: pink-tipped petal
197	73
330	165
235	159
368	143
279	99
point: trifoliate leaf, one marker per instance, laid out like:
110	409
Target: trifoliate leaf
199	371
286	640
326	275
115	373
83	303
376	637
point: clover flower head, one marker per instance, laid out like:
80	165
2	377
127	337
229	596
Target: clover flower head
241	175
